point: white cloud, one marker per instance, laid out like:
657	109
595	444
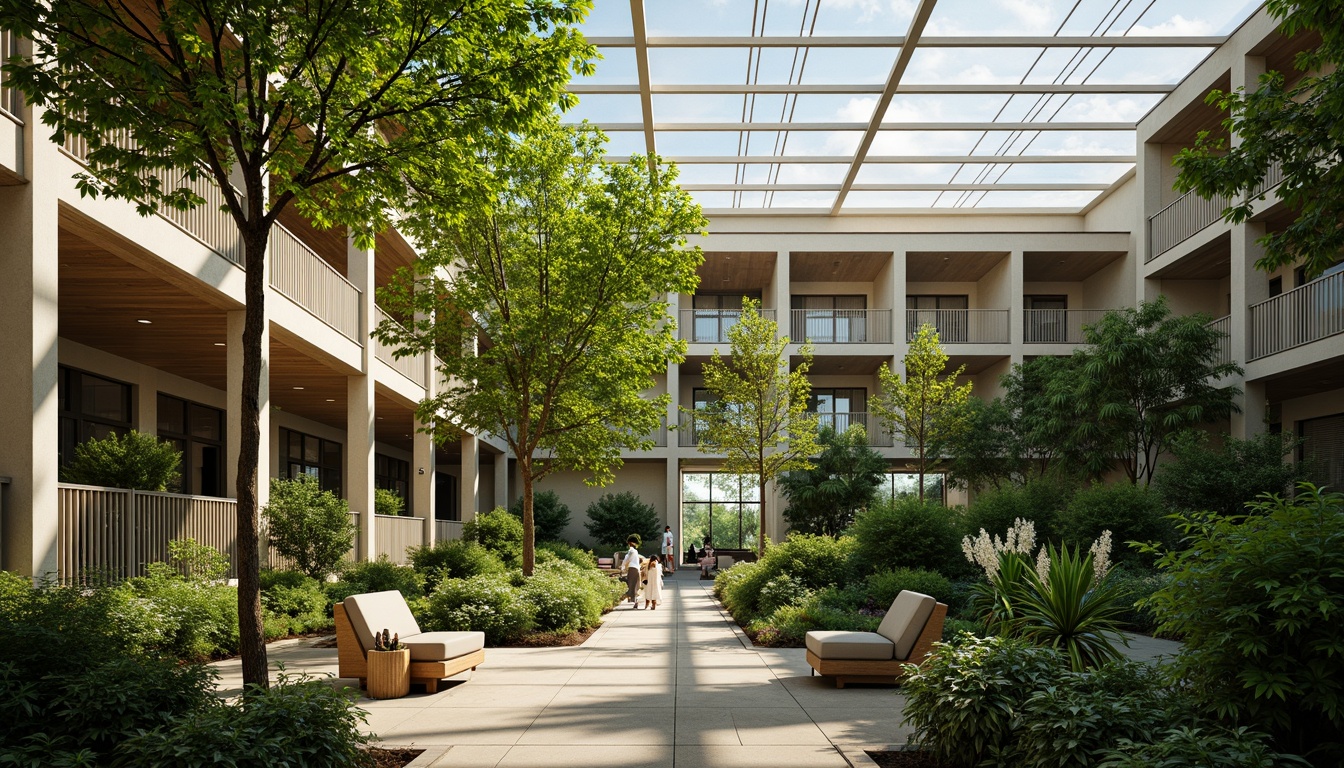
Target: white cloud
1177	25
857	110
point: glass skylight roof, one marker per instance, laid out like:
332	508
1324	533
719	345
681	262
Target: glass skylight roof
771	105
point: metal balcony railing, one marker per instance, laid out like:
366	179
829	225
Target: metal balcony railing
841	326
412	367
1181	220
1305	314
300	274
878	436
960	326
11	99
1057	326
1224	326
710	326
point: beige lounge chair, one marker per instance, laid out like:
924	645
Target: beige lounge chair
434	655
906	635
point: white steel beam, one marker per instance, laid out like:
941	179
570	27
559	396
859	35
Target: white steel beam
874	41
891	159
871	128
642	66
904	88
934	187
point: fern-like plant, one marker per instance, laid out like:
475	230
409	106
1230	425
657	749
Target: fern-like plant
1073	609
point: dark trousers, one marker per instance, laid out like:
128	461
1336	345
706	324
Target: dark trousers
632	583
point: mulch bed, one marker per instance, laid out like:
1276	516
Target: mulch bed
392	758
912	758
552	639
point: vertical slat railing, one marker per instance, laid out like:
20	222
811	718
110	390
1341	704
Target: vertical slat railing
841	326
1057	326
412	367
393	535
960	326
307	280
1305	314
1181	220
1224	326
710	326
447	530
11	99
878	436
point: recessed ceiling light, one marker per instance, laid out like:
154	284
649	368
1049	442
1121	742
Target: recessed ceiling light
331	399
296	387
143	321
219	344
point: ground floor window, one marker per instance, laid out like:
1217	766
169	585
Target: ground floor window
309	455
898	485
1324	448
721	509
198	432
393	475
91	408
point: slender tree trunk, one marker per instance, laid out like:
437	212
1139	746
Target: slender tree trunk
251	637
529	521
760	543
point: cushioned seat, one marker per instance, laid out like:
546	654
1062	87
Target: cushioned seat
434	655
850	645
907	633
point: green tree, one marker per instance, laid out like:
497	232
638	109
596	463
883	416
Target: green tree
555	319
386	502
327	108
824	498
549	514
1145	377
927	409
759	420
1289	122
136	461
614	517
308	525
988	453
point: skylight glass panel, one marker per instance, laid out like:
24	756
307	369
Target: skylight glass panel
942	66
608	19
863	18
944	108
625	143
1061	173
669	66
1052	199
801	200
1148	65
707	173
697	143
905	173
1193	17
811	173
1077	143
1002	17
833	107
601	108
924	142
825	143
848	65
1105	108
861	199
617	65
685	18
714	199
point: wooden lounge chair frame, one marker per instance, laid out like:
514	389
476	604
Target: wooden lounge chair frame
870	671
352	659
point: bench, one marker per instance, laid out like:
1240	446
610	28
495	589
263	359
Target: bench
434	655
906	636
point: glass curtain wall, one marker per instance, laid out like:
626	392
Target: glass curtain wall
720	509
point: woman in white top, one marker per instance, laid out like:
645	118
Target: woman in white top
653	589
632	575
669	549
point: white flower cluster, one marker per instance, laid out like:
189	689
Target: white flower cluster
983	550
1043	566
1101	555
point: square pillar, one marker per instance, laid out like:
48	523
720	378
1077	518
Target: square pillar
502	479
470	485
422	479
897	281
673	485
1017	303
783	296
360	416
29	410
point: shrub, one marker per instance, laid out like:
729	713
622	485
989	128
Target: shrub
137	461
1071	721
386	502
308	525
487	603
884	586
965	701
1135	586
568	552
815	561
550	515
613	517
908	533
499	532
1129	512
569	598
197	561
789	624
200	617
1258	600
80	674
1199	747
296	722
1039	501
1226	478
294	603
780	591
452	559
1072	607
378	575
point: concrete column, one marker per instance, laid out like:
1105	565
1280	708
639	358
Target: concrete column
1149	179
783	294
29	411
673	486
234	411
1016	301
1248	286
360	413
422	479
673	415
470	485
502	479
897	278
147	408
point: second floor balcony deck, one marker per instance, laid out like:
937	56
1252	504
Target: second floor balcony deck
960	326
1305	314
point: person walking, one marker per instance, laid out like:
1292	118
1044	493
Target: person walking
669	551
632	576
653	588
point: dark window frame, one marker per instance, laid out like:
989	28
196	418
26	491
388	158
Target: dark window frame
188	439
75	426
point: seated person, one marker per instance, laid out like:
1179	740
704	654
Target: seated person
707	561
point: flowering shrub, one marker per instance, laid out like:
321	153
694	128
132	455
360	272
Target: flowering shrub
487	603
499	532
576	555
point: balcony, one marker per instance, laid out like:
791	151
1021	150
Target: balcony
960	326
878	437
1224	326
710	326
412	366
1057	326
1305	314
303	277
841	326
1190	213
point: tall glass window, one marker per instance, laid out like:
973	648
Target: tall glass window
899	485
91	407
714	315
830	319
198	432
721	509
393	475
309	455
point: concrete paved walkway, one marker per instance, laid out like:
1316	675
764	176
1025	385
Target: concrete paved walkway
676	686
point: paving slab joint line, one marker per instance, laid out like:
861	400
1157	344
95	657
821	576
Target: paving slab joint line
728	619
857	754
425	759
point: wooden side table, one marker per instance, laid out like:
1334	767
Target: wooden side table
389	674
